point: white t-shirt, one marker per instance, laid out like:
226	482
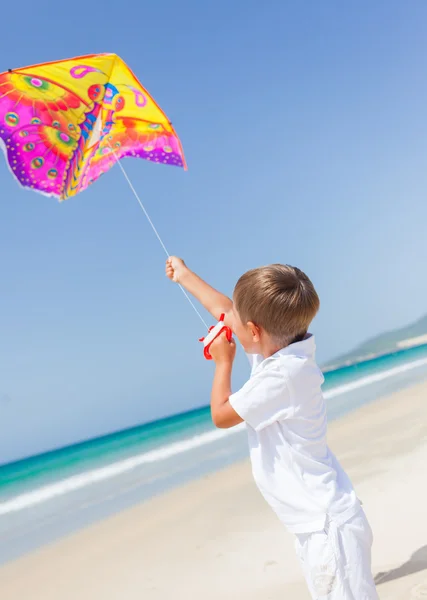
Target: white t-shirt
285	413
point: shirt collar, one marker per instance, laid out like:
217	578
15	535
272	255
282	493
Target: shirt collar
306	348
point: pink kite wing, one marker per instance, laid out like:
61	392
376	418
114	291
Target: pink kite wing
135	138
39	130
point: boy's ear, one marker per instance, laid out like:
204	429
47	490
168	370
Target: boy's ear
255	331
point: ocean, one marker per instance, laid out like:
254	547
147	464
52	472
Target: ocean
54	494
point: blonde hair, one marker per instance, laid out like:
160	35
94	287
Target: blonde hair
279	298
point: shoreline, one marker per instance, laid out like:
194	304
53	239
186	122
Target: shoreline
216	538
342	398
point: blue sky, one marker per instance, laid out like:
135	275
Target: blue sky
305	131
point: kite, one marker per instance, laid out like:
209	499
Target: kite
63	124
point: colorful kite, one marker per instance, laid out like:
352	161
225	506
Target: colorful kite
65	123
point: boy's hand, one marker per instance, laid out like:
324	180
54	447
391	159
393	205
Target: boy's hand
223	351
175	268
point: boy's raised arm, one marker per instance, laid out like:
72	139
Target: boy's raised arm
213	301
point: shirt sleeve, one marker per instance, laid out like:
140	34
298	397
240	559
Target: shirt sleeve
263	400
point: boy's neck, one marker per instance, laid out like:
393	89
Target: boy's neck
269	347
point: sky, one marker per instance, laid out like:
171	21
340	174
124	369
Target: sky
304	125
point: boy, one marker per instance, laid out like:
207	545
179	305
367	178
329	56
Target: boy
285	414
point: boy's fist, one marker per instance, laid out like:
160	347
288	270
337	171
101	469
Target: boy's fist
175	268
222	350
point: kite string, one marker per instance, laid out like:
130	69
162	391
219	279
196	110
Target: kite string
135	193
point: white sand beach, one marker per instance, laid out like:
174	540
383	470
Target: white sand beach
216	539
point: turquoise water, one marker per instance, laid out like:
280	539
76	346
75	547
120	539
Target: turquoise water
58	493
44	468
19	477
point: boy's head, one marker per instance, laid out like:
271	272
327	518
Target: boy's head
275	304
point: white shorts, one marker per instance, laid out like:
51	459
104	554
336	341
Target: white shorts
337	561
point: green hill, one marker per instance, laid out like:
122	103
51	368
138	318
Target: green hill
385	343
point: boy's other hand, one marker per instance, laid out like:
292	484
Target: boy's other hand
223	351
175	268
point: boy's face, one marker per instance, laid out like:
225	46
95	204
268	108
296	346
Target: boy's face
248	334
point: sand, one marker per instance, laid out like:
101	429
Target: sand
216	538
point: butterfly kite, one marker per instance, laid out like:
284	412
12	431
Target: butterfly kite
65	123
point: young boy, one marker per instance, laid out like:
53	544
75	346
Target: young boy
285	414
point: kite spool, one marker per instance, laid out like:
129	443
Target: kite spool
214	332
